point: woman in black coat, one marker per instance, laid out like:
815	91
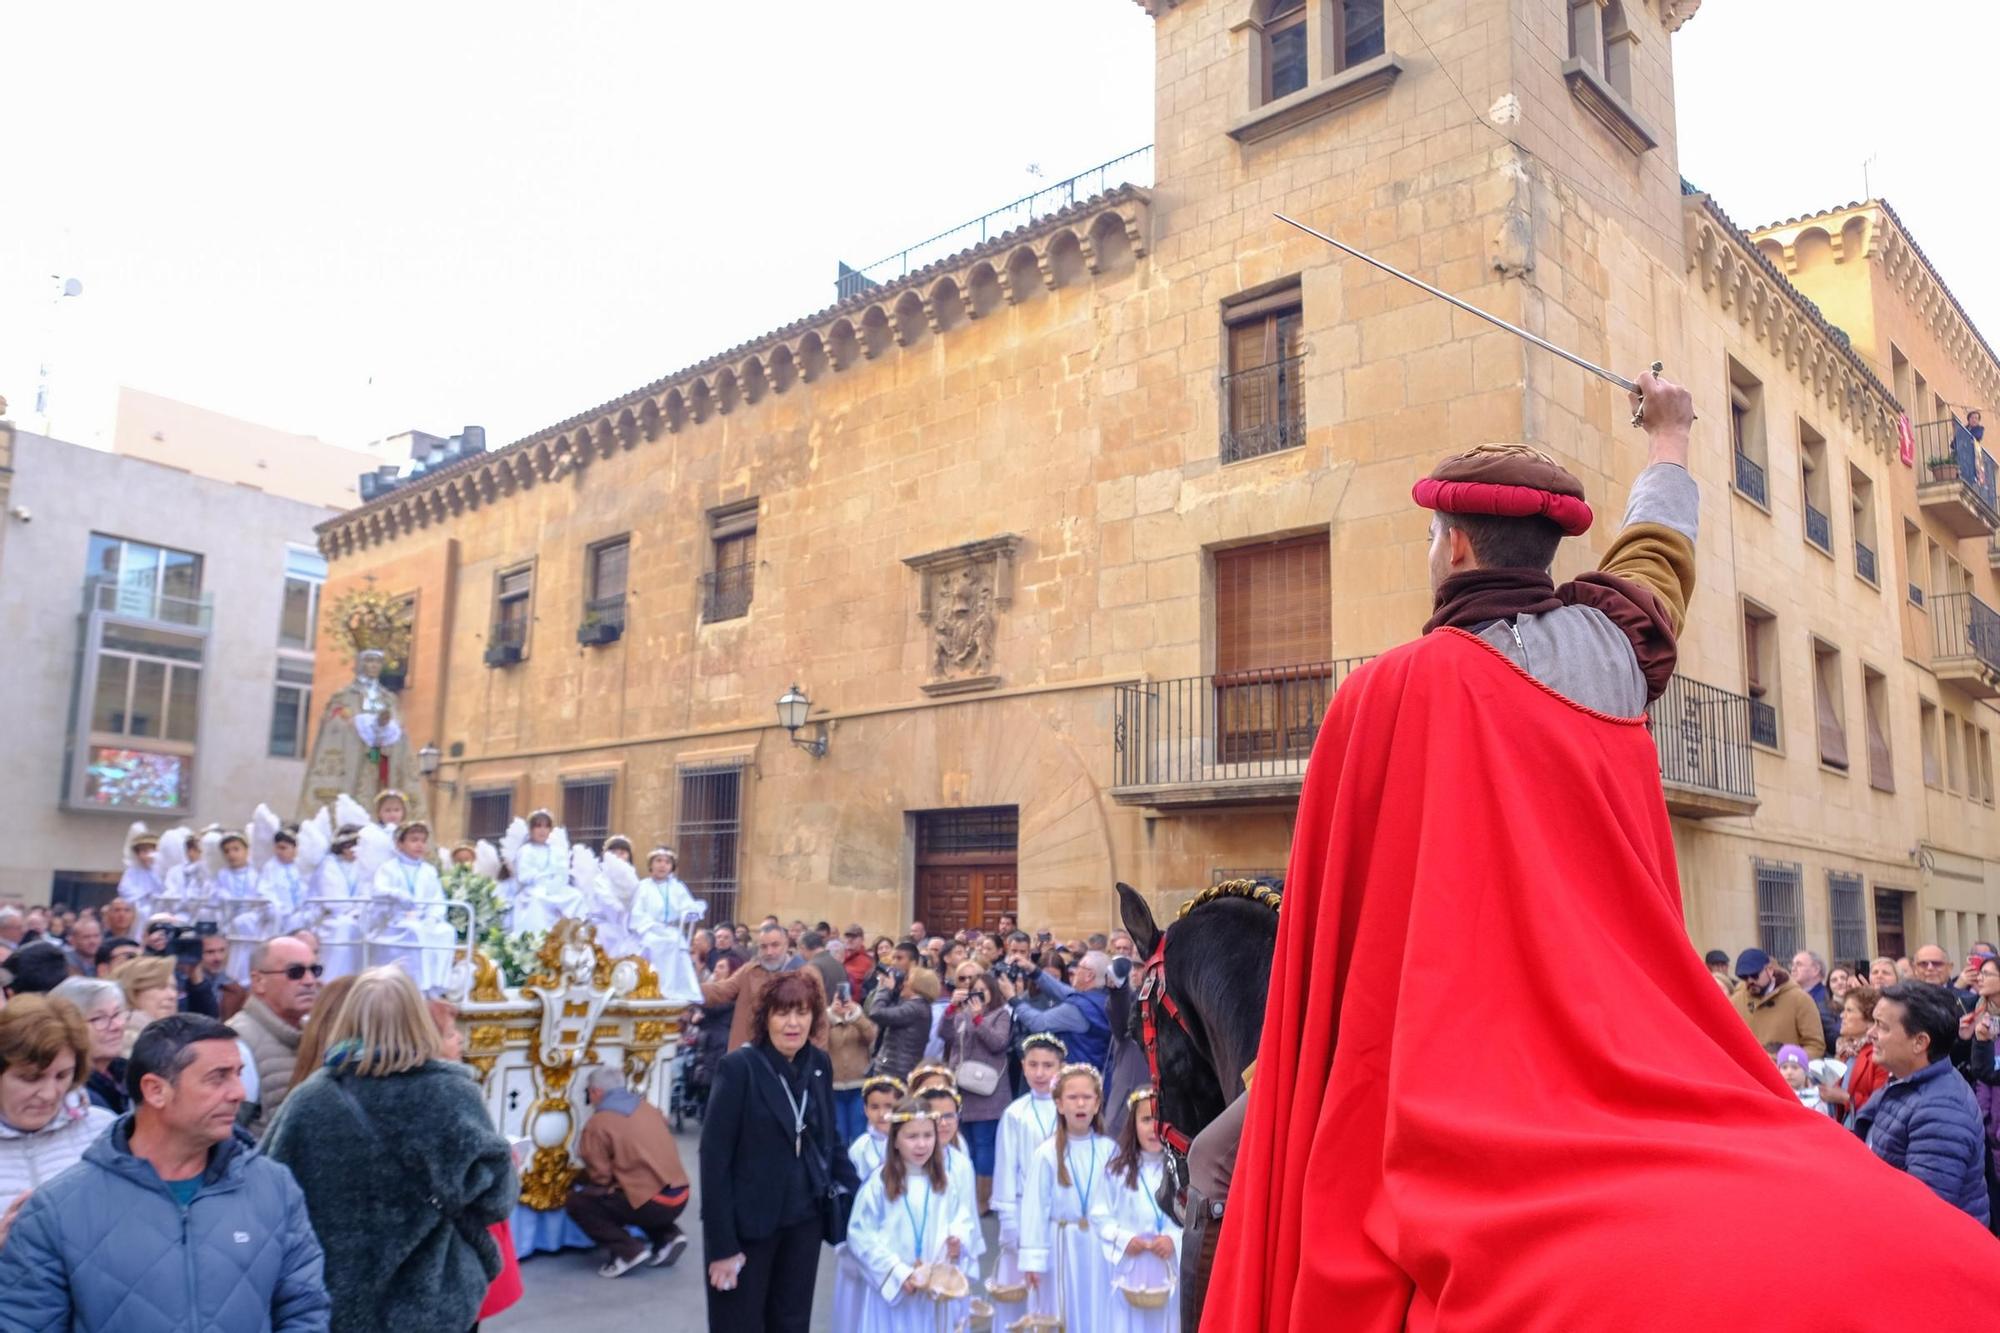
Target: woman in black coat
769	1158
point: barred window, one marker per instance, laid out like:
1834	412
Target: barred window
488	813
587	811
707	835
1780	907
1849	915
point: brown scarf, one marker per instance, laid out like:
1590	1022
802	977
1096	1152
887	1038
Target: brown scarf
1475	599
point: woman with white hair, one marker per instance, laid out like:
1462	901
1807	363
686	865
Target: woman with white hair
102	1004
402	1170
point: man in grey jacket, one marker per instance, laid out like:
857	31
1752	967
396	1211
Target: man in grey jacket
170	1221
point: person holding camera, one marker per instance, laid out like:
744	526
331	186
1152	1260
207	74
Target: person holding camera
201	956
901	1009
1079	1015
978	1034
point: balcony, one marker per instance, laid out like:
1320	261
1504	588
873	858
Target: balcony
1993	552
1240	738
725	593
1955	479
507	642
1864	562
603	621
1134	168
1967	648
1750	481
144	603
1266	407
1819	529
1703	735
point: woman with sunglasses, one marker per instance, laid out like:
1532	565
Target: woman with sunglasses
284	983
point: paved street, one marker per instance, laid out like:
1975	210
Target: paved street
565	1294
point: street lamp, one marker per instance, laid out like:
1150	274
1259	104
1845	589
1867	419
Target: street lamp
793	706
427	766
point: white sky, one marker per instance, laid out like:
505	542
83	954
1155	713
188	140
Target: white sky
424	215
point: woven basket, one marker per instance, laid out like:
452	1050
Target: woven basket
946	1283
1036	1323
1146	1298
1007	1293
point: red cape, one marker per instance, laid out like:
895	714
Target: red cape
1498	1090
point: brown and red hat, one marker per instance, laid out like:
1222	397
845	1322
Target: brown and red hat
1506	481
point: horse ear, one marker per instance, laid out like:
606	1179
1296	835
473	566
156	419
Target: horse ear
1138	918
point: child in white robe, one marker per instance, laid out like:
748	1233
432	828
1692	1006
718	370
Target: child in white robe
907	1221
416	935
343	881
1024	1127
879	1098
1141	1243
941	1099
1062	1258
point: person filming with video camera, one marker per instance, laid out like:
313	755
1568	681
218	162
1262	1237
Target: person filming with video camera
901	1011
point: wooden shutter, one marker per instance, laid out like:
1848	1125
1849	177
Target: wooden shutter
1832	735
1273	605
1881	773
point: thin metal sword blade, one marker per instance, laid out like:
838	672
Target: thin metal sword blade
1467	307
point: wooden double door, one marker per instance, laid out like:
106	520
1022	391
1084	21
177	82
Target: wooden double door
967	867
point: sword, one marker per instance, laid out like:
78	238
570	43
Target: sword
1638	413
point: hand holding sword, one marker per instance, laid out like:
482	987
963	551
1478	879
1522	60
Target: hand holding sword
1664	408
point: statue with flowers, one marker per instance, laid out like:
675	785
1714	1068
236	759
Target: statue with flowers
360	749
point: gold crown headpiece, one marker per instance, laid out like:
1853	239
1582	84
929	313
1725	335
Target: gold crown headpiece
880	1083
906	1117
1149	1093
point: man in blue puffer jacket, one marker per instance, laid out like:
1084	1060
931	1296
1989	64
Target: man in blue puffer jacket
170	1222
1925	1120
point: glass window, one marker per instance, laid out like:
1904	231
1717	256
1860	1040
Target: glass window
295	621
287	731
180	574
138	580
1284	49
184	703
103	560
114	683
149	698
608	564
1360	31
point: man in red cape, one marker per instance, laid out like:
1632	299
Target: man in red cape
1598	1141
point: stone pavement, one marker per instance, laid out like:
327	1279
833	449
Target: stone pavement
564	1294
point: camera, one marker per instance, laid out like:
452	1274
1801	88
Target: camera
184	942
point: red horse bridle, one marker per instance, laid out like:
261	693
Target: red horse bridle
1154	995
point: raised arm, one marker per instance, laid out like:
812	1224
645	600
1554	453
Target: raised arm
1655	546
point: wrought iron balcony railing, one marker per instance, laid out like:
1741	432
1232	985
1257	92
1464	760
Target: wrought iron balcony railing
1264	410
1966	627
1763	723
1819	529
1750	479
1224	726
1948	453
1703	736
725	593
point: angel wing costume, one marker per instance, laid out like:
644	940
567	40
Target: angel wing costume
543	893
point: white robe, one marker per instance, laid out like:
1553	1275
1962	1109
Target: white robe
278	889
234	903
1024	1127
338	925
850	1280
889	1239
655	929
403	889
1116	1217
141	887
1075	1279
187	891
543	894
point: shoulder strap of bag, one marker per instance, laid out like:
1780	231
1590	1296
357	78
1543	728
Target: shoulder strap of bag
414	1171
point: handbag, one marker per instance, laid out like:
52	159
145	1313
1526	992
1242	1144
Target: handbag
971	1075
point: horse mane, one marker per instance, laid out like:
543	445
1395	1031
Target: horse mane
1233	888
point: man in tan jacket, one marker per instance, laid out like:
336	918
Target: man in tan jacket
633	1177
1778	1012
742	987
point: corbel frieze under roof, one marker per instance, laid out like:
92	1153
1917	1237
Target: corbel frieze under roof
1063	249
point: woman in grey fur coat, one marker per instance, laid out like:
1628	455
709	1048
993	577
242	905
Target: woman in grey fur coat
402	1169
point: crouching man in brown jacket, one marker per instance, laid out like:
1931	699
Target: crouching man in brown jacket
633	1177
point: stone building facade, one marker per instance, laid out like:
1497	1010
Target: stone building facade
1069	537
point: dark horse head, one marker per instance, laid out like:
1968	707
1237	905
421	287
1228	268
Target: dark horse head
1217	972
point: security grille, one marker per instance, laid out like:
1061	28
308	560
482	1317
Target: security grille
995	828
488	813
1780	907
708	834
1849	914
587	812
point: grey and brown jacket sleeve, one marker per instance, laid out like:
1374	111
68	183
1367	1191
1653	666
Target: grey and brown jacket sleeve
1655	547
